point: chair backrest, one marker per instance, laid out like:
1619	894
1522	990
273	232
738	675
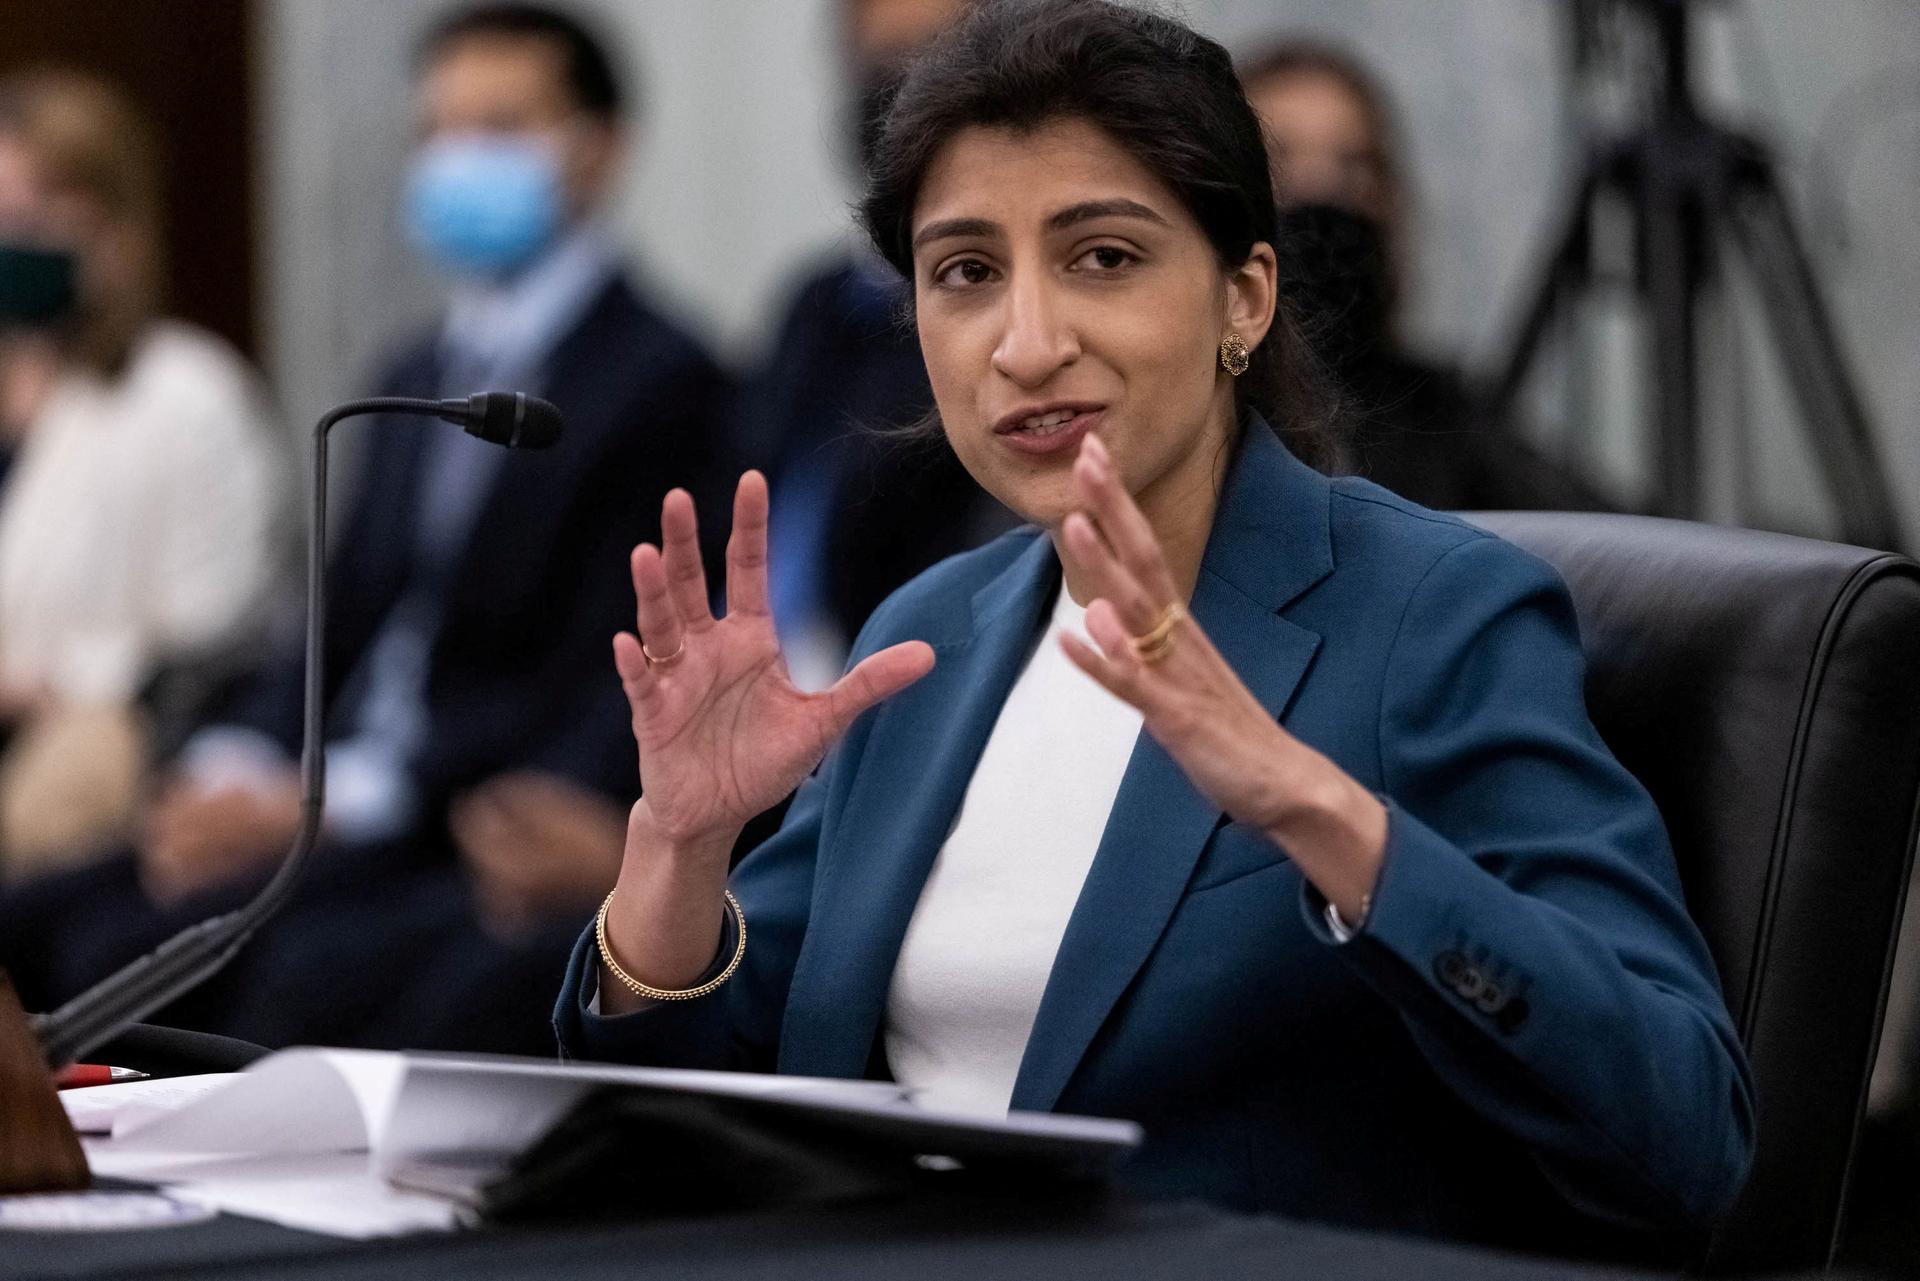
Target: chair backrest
1766	689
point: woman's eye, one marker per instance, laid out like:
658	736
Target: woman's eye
967	271
1107	258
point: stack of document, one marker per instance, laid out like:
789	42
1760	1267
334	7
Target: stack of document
361	1143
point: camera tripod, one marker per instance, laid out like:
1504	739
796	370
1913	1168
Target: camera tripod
1690	184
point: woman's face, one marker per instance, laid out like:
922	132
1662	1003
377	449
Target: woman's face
1060	288
35	212
1321	140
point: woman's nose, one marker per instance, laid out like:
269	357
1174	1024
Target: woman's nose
1036	340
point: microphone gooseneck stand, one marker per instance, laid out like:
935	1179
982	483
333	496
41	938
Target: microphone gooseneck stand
505	418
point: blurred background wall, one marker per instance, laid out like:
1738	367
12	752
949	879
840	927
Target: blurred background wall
289	247
741	173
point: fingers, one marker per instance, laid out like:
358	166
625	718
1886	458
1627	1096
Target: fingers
536	790
680	553
876	677
747	548
552	816
472	826
1113	663
636	675
1095	664
1121	524
1138	608
660	626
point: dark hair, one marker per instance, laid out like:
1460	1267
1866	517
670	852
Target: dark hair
1165	93
1298	56
1287	58
589	71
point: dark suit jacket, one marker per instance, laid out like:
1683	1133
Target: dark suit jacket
844	376
1526	1043
521	672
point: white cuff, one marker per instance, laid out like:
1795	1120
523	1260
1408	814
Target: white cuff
1338	927
232	756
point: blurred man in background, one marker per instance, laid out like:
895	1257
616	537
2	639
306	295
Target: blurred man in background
860	511
857	509
473	596
1344	247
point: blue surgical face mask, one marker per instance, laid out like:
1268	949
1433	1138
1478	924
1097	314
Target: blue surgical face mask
484	205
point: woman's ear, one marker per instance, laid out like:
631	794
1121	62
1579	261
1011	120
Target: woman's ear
1253	291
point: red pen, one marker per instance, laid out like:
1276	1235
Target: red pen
75	1075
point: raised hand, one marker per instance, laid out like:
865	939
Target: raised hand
723	733
195	837
1152	655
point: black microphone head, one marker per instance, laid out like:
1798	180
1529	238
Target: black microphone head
513	419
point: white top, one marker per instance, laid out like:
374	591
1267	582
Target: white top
982	940
135	524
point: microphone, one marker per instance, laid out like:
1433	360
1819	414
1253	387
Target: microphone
512	419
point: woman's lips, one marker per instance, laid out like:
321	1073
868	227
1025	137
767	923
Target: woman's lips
1053	438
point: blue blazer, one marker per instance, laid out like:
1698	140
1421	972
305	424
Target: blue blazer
1525	1044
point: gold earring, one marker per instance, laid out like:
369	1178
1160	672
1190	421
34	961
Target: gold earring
1234	357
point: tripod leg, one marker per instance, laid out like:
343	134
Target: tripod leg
1831	409
1671	242
1566	268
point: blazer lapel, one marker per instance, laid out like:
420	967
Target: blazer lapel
1270	543
914	770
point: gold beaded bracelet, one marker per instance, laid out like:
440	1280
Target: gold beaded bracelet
638	988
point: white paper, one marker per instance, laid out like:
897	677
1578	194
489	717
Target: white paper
331	1192
464	1106
97	1109
293	1101
307	1137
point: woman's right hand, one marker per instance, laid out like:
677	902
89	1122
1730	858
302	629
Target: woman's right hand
723	732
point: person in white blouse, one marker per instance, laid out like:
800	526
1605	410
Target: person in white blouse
1304	855
137	518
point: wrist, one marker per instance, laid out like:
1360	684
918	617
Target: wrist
653	843
1334	830
664	918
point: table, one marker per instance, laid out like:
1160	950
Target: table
923	1241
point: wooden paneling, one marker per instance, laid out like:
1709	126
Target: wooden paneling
38	1150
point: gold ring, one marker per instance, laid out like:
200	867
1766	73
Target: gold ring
664	660
1158	642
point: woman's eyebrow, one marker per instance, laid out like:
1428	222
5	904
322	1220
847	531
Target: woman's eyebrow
1086	210
1117	207
953	227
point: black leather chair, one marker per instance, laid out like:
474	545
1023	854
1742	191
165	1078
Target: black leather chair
1766	689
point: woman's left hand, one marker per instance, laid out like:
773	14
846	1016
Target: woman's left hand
1196	708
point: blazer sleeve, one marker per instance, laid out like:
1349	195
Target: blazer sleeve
1528	923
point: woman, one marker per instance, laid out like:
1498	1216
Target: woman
134	527
1342	185
1367	925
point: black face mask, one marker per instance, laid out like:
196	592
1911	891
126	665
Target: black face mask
36	285
1335	277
